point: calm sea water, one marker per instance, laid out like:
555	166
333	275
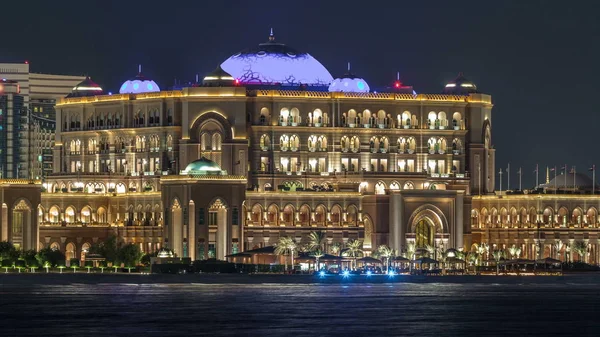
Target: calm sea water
432	309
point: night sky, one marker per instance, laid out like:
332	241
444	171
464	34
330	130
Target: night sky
538	59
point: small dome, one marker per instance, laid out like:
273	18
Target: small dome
139	84
460	86
202	166
86	87
349	83
218	78
165	252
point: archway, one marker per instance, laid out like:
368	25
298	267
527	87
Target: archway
424	233
69	252
21	220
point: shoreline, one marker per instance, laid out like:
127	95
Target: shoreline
278	279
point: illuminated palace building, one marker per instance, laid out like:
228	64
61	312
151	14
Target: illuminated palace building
271	145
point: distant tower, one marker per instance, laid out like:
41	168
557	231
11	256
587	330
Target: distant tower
547	175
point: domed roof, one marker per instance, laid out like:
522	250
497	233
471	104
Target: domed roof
580	182
86	87
349	83
164	252
139	84
202	166
275	63
460	86
218	78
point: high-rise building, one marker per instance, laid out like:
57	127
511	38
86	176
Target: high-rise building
11	107
40	93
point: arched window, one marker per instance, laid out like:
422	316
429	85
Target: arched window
384	145
344	144
401	145
294	117
355	144
318	118
86	215
312	143
431	119
294	143
265	142
264	116
406	120
408	186
322	143
205	141
288	215
91	146
411	145
366	118
352	119
592	216
562	216
380	187
394	185
284	142
457	121
169	143
216	141
70	214
374	144
442	121
441	145
284	115
457	147
432	145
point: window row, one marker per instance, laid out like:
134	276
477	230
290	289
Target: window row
380	119
150	143
498	218
353	144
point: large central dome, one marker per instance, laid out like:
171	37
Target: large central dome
276	63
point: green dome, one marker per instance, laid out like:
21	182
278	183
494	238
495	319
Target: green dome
202	166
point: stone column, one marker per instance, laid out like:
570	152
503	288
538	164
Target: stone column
192	240
458	222
395	220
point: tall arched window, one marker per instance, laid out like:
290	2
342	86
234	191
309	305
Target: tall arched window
265	142
457	121
355	144
284	142
442	121
401	145
216	141
374	144
294	143
384	145
205	142
322	143
344	144
312	143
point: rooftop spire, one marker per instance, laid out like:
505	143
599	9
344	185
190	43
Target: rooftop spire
398	76
139	68
271	36
348	66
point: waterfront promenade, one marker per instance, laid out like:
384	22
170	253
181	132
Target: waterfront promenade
275	279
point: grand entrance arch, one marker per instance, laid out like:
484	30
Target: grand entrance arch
428	227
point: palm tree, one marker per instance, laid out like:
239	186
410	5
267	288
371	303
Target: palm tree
483	249
291	245
335	248
430	250
558	246
286	245
317	239
354	248
411	248
514	251
580	247
385	252
498	255
317	254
